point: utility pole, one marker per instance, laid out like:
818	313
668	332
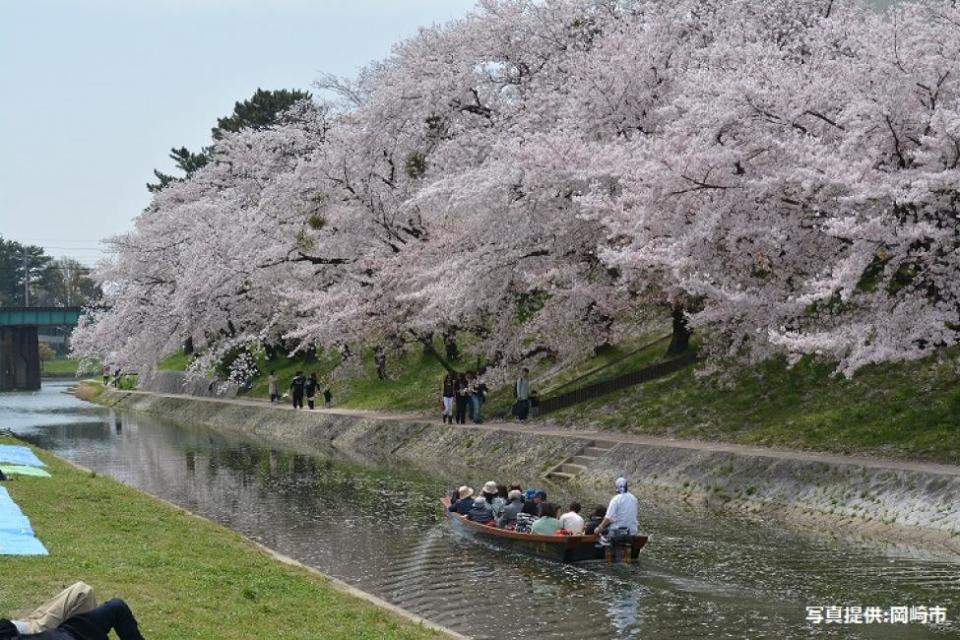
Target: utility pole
26	278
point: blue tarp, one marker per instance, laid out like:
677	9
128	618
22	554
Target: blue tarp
16	534
17	454
12	544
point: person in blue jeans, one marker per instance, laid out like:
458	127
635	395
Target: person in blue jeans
95	624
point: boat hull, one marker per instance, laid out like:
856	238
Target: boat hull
559	548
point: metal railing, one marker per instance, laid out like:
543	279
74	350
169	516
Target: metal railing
592	391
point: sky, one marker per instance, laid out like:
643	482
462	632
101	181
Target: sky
96	92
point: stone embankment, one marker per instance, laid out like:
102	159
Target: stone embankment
909	502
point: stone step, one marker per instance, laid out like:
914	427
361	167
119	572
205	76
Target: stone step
603	444
569	467
594	451
583	460
559	475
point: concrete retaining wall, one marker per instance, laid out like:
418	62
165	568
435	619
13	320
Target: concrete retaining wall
918	505
180	382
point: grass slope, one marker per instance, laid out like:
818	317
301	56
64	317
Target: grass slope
907	410
59	368
183	576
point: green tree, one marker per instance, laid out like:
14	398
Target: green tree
66	282
262	110
18	264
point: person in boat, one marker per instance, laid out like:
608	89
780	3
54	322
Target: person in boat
464	501
508	518
596	517
535	497
572	521
499	501
482	511
621	515
547	524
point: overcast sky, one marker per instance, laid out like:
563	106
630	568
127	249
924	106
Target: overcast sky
95	92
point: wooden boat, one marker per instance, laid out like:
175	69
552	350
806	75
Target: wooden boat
560	548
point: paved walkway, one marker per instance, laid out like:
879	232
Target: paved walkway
542	428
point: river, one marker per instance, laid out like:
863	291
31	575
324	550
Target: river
375	524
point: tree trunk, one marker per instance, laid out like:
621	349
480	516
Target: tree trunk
680	341
380	359
450	345
427	341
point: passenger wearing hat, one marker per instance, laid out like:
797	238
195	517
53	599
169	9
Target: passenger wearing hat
514	506
531	506
481	511
622	511
464	502
496	498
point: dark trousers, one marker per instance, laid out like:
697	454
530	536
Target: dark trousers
96	624
297	399
310	401
462	402
523	409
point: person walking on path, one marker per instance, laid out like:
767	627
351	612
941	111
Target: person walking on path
462	389
447	395
523	395
310	388
327	394
477	398
273	387
296	387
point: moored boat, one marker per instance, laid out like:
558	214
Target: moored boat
557	547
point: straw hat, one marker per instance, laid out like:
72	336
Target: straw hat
490	487
464	492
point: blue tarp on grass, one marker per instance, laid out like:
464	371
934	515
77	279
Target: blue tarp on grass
16	534
18	454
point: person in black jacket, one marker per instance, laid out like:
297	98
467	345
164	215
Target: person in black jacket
310	388
447	395
531	506
464	501
296	387
95	624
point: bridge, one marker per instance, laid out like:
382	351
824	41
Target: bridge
19	349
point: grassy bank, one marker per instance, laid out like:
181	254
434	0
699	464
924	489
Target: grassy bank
184	577
906	410
59	368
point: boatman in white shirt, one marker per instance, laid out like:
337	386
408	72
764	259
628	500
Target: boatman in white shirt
621	514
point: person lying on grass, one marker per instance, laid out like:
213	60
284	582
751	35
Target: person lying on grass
73	614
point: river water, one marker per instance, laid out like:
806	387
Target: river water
376	525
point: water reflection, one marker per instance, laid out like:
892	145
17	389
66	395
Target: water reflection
376	525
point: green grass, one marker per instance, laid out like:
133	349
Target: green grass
907	410
635	353
176	362
413	382
183	576
59	368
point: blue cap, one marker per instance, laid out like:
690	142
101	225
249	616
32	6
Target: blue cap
540	494
530	493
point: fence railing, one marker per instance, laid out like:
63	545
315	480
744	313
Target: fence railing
555	403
